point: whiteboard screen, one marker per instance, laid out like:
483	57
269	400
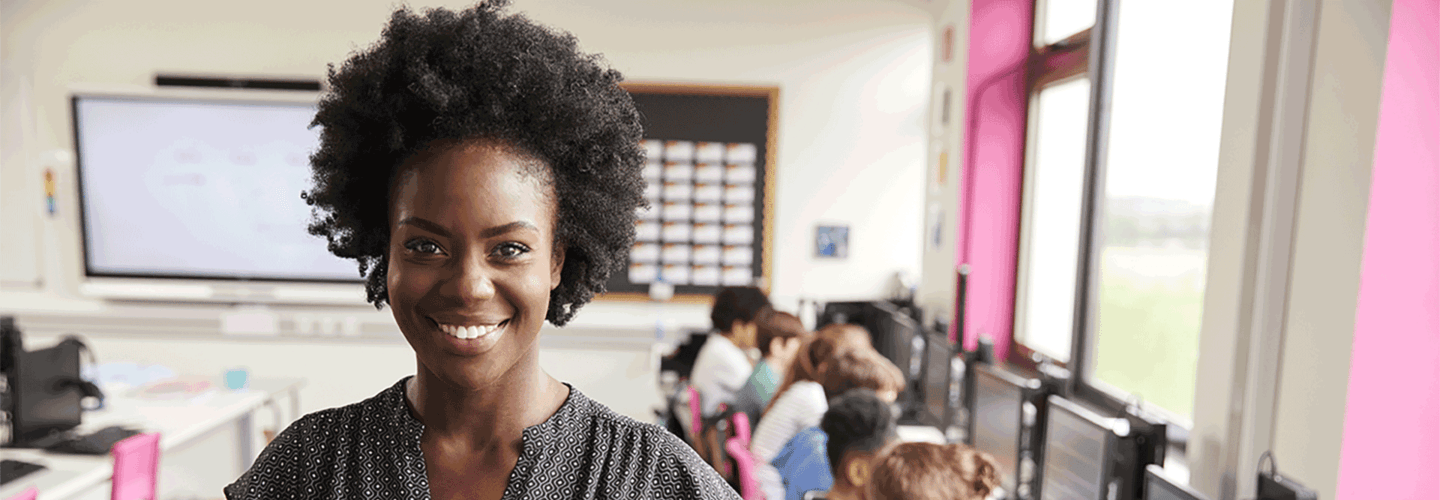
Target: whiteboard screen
174	188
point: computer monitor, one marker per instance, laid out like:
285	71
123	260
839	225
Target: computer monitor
1274	486
1079	446
996	415
1159	486
45	400
203	192
894	334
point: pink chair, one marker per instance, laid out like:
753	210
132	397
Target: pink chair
137	467
695	420
742	428
745	464
29	494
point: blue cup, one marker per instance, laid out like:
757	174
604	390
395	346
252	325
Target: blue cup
237	379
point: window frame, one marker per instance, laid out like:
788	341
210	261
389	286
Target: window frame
1087	53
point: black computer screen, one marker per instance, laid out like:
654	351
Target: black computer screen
938	355
1158	486
997	422
1076	448
43	403
892	332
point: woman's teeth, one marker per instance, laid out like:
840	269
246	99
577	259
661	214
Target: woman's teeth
469	332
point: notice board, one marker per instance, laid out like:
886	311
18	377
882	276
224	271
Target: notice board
710	175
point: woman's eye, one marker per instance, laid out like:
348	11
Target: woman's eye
423	246
511	250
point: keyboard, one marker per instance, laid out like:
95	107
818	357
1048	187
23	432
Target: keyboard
95	443
11	470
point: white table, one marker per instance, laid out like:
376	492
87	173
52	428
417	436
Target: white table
919	433
180	422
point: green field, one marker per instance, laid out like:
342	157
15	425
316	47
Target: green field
1148	324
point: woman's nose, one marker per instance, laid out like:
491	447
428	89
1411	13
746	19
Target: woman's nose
473	282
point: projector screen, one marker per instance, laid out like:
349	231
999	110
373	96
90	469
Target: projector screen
176	188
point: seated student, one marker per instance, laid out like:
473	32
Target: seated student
779	336
836	358
928	471
722	366
837	455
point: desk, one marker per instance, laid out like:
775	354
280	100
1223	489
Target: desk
180	422
920	433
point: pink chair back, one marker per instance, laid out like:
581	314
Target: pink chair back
742	428
137	467
745	467
695	420
29	494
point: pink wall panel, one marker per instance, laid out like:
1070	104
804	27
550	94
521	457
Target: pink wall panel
990	188
1391	446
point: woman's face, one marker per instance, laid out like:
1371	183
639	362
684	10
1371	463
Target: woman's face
471	261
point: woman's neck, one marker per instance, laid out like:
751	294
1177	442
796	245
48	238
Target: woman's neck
489	417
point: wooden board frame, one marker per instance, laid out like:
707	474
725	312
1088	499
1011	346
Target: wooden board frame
767	219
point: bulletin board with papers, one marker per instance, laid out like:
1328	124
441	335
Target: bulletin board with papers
709	176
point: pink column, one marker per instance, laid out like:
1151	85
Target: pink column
990	182
1391	446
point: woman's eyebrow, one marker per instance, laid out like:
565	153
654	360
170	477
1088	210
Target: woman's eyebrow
426	225
506	228
487	233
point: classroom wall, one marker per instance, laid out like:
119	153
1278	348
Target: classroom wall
1283	389
1329	238
942	180
1391	443
854	78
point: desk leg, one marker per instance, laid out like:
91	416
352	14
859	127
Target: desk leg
246	431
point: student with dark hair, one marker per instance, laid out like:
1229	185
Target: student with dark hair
485	173
928	471
857	427
779	336
722	366
832	461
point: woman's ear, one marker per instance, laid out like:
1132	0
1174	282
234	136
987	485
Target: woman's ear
557	264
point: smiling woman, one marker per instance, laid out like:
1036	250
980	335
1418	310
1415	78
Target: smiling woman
486	174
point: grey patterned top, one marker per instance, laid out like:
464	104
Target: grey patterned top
371	449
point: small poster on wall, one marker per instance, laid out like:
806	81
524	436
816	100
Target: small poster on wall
832	241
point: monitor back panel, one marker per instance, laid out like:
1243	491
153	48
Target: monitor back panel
1078	446
997	422
1158	486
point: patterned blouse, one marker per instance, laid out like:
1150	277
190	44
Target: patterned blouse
371	449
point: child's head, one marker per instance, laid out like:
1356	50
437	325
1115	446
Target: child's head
857	426
819	350
925	471
779	335
734	312
856	368
823	346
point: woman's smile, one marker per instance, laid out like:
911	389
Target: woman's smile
471	338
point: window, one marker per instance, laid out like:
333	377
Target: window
1154	214
1050	247
1118	232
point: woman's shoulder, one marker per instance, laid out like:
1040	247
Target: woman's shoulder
316	450
653	462
383	412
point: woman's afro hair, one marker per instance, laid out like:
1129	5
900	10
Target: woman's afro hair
480	74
